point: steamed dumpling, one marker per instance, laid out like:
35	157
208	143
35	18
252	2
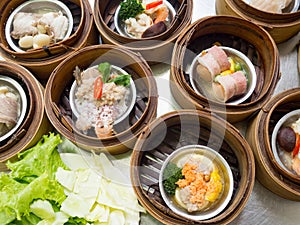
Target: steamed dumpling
274	6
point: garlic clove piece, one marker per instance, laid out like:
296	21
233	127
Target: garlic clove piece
26	42
41	40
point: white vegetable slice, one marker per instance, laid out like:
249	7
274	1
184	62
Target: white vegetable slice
109	201
76	161
99	163
99	213
45	222
132	217
66	178
59	219
87	184
75	205
116	217
42	209
118	197
109	171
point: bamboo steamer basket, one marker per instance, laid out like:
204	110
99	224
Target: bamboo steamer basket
281	26
144	110
41	62
35	123
76	8
163	44
259	134
249	39
185	127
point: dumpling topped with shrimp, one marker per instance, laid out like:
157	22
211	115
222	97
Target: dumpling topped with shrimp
101	97
145	19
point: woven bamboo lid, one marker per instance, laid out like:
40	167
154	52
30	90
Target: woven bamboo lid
35	123
249	39
259	137
41	62
104	12
144	110
188	127
281	26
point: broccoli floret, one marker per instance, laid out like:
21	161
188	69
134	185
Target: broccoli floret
130	9
171	175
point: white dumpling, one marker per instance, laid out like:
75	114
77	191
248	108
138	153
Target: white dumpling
274	6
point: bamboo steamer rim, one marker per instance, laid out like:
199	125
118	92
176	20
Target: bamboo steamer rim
249	12
280	32
124	135
122	39
185	5
202	102
272	179
157	43
270	108
57	58
260	157
233	210
86	49
191	29
55	48
37	108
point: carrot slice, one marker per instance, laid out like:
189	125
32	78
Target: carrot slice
98	87
153	4
297	145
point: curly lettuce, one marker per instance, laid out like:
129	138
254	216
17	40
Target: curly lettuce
31	177
42	158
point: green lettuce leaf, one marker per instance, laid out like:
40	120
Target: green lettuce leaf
104	69
41	188
32	177
8	189
76	221
41	158
14	204
26	220
123	79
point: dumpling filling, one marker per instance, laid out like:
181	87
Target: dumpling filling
202	184
152	19
100	99
35	30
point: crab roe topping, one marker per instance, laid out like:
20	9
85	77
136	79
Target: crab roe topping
203	186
